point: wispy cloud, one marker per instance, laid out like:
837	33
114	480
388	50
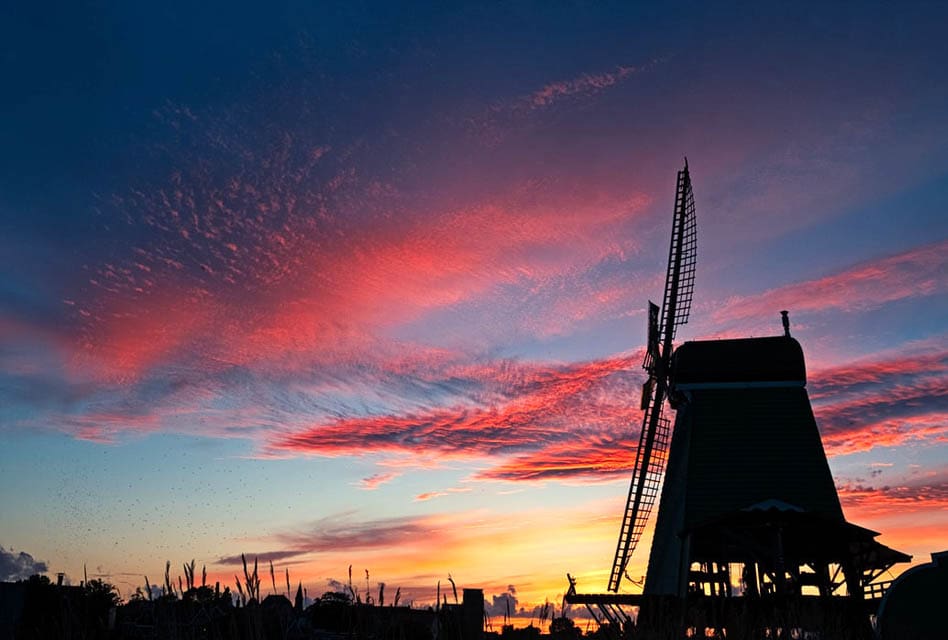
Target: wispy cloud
265	556
496	122
882	403
345	533
238	270
376	480
399	549
576	422
341	533
600	457
518	408
585	84
895	499
429	495
915	273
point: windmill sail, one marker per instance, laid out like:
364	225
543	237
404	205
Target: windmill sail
682	258
646	481
653	439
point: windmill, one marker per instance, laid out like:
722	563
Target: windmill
653	439
750	534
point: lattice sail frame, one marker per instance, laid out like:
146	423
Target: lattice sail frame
685	236
652	451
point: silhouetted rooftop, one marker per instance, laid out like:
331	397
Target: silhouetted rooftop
745	360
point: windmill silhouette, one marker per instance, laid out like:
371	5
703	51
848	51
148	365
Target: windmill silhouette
750	534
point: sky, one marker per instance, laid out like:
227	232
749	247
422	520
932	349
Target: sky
366	284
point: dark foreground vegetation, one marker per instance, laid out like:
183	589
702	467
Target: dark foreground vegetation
37	609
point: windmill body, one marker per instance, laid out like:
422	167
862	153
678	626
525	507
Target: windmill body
744	439
749	518
746	461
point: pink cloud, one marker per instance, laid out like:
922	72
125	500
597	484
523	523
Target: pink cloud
872	501
284	283
911	274
593	458
429	495
585	84
883	402
931	363
376	480
531	407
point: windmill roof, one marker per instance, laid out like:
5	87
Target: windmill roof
777	359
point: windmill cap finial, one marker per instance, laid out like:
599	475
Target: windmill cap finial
785	317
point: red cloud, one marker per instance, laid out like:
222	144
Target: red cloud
584	84
375	481
915	273
594	457
835	380
241	273
882	403
530	408
899	499
430	495
131	337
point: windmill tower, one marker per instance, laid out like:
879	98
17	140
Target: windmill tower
750	534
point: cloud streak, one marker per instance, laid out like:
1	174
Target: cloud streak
874	501
585	84
916	273
375	481
517	408
882	403
344	533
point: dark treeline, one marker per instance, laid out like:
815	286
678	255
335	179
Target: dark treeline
37	609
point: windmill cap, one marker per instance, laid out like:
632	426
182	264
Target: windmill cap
772	361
